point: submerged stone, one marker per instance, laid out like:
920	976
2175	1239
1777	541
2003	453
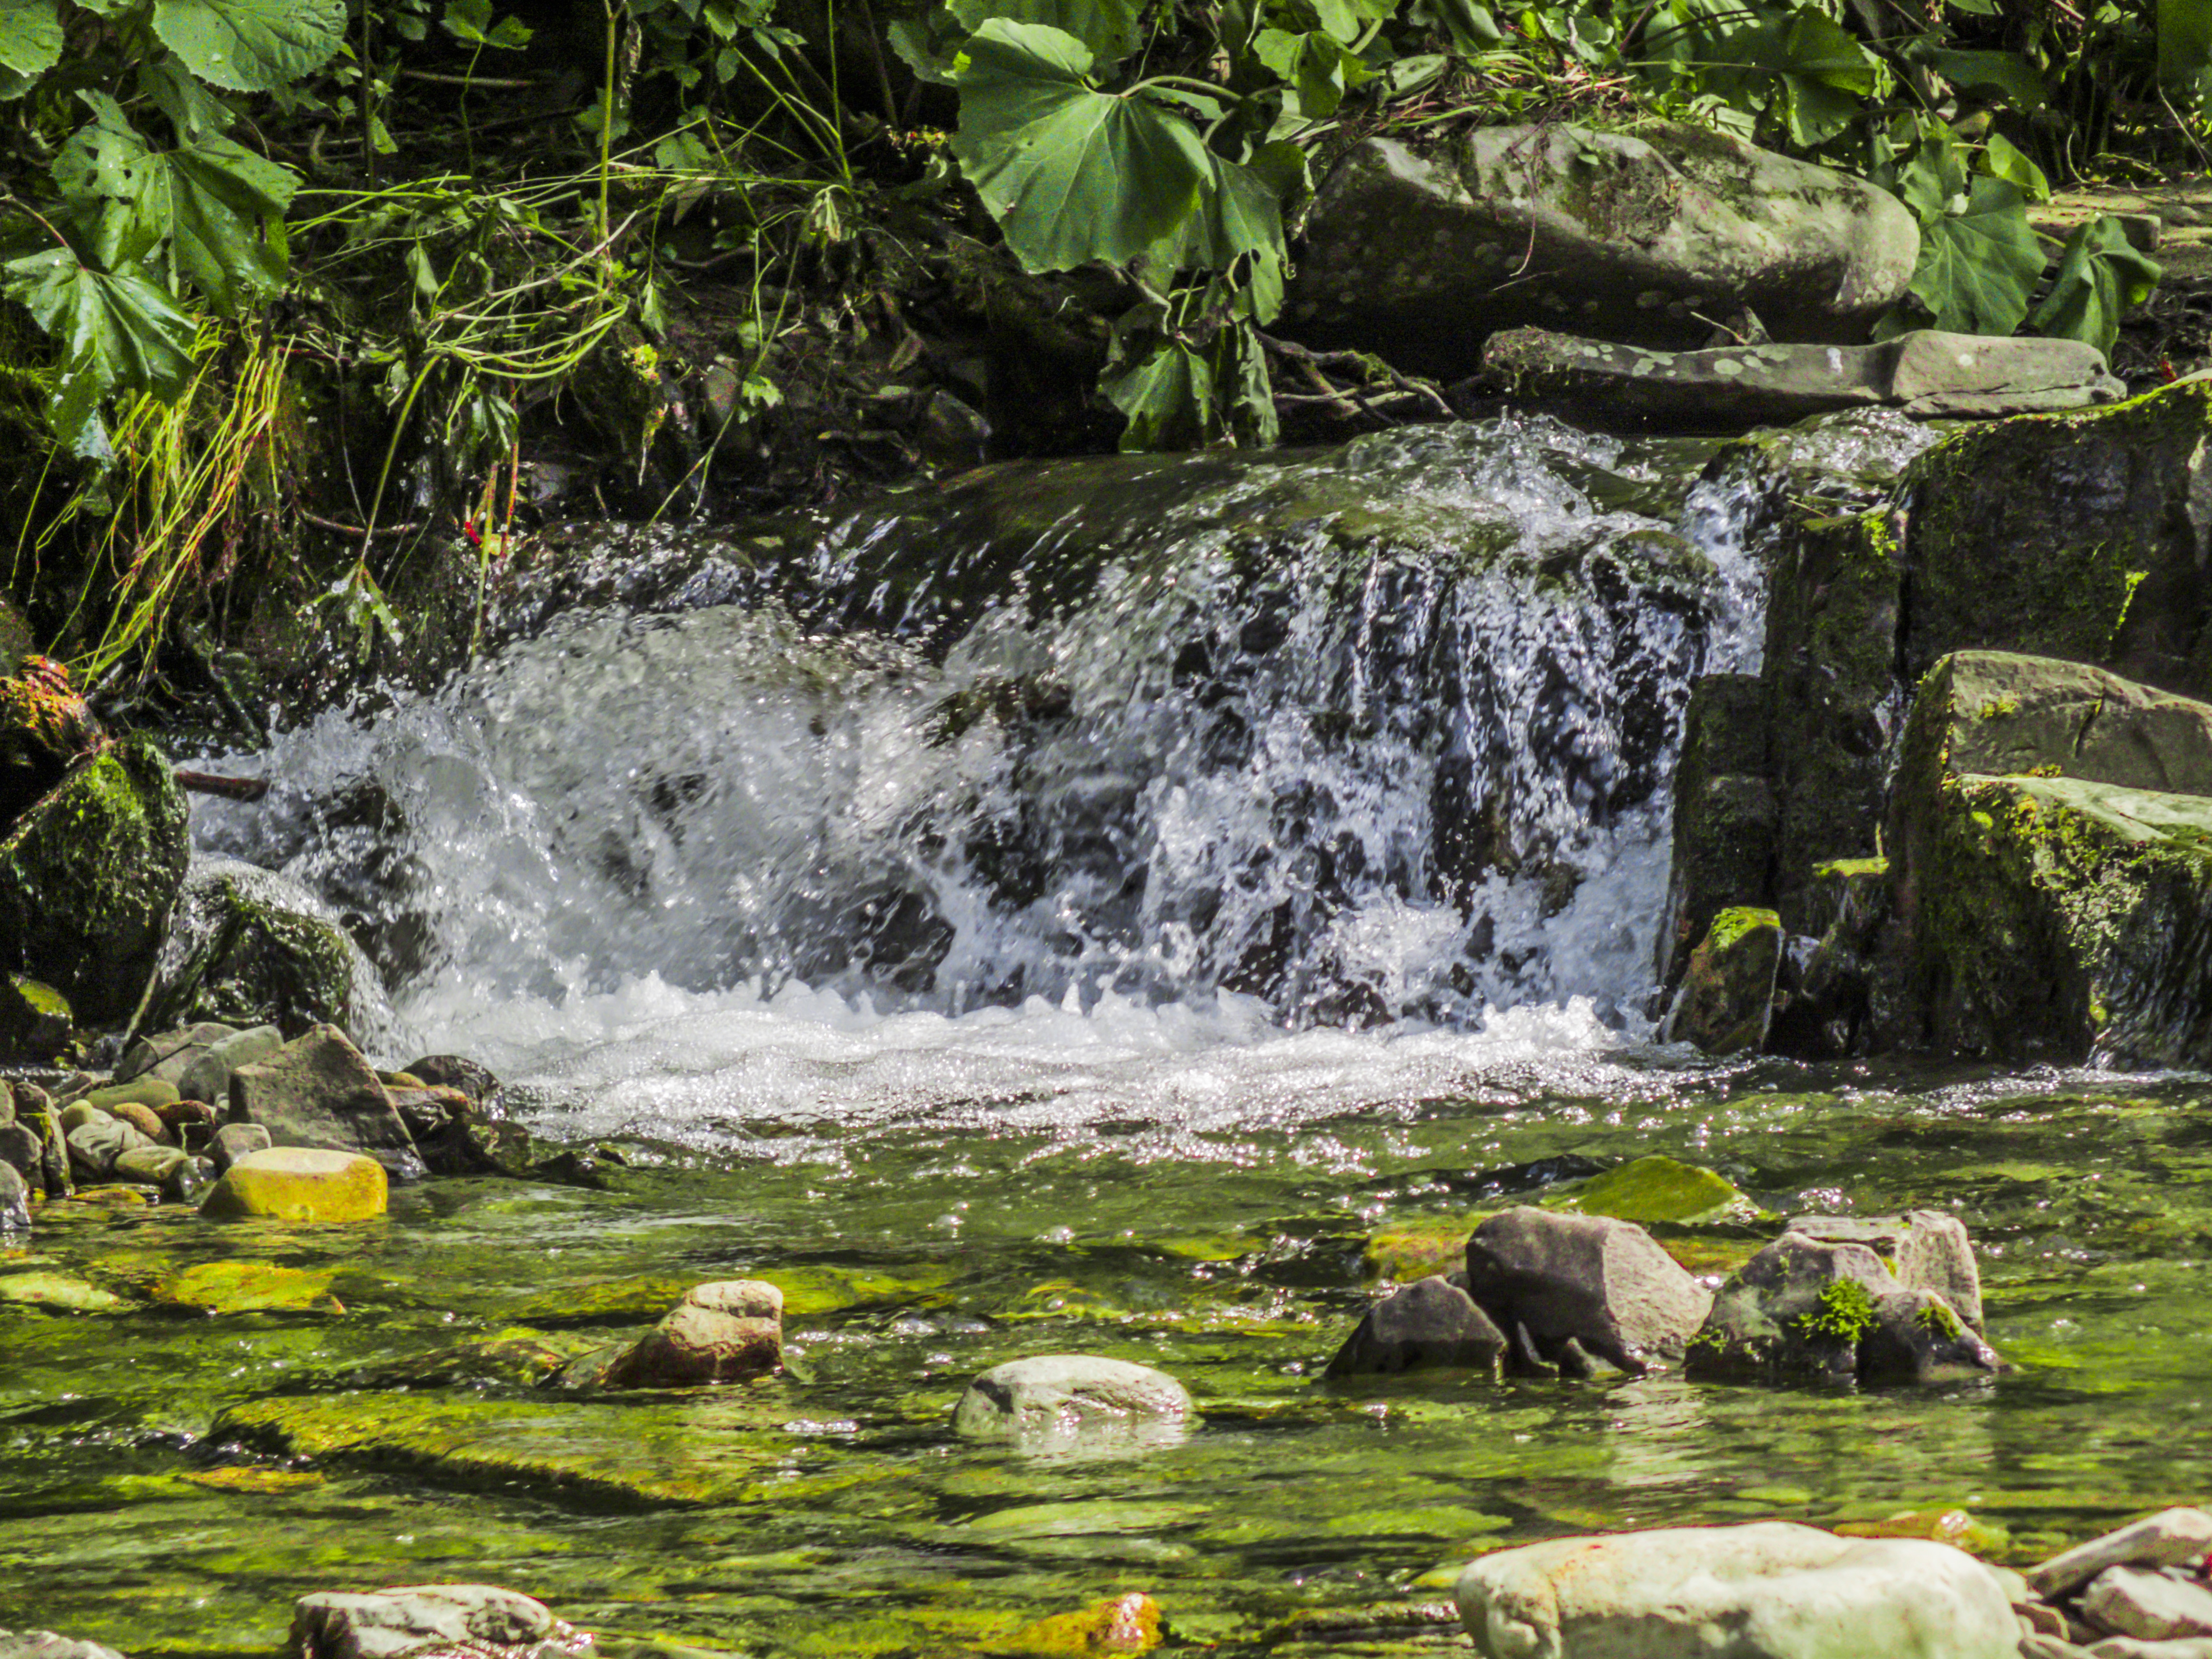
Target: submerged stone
57	1292
721	1333
1727	994
1658	1188
231	1287
1052	1398
299	1183
1123	1623
1769	1590
384	1624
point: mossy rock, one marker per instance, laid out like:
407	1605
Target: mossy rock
231	1287
2076	535
243	960
35	1020
88	878
726	1446
1725	812
1407	1251
1658	1189
1726	997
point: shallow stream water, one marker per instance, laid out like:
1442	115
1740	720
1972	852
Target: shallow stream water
1152	1018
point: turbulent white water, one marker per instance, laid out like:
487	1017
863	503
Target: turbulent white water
1275	774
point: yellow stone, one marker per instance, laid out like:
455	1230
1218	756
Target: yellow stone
299	1183
1127	1623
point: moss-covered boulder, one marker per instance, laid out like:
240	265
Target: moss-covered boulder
1727	990
2060	917
1658	1189
35	1021
243	958
299	1183
88	877
46	725
2080	536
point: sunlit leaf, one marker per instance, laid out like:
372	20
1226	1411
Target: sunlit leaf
2006	161
252	46
1978	267
2101	275
1107	27
117	331
30	38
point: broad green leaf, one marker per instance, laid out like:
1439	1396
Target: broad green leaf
30	37
1167	395
1978	267
191	107
1072	174
2006	161
252	46
471	22
1108	27
212	207
1313	62
2005	74
1935	181
2184	48
924	44
2100	276
117	331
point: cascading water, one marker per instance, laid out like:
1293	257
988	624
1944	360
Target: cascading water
1092	763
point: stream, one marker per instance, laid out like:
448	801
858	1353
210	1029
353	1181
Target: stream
1108	908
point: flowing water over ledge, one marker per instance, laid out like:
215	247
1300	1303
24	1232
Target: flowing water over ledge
1025	982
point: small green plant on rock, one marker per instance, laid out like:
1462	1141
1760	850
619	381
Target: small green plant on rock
1844	1312
1938	1321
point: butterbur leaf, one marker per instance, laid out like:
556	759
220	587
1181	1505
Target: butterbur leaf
2184	49
923	43
2006	161
2101	275
1827	74
192	108
1315	63
117	331
251	46
1072	174
30	38
1107	27
2006	75
1167	393
1978	267
471	22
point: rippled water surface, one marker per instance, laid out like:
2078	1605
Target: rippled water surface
1133	1010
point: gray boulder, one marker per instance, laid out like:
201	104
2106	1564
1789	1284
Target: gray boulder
96	1144
2169	1538
320	1092
243	955
2151	1606
1431	1321
236	1140
168	1055
22	1149
45	1644
1602	1284
1056	1401
1805	1311
1726	999
1769	1590
208	1076
1642	237
721	1333
15	1200
468	1617
1924	1250
1926	374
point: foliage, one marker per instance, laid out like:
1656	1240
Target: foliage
1844	1312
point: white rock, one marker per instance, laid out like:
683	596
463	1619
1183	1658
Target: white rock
379	1624
2129	1647
2171	1538
2130	1602
45	1644
1057	1398
1769	1590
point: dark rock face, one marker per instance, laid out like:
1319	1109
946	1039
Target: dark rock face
2043	912
35	1021
1727	996
1605	1284
1802	1309
319	1092
1430	1322
1724	813
1636	237
88	877
240	958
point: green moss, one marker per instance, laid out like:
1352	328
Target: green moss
1662	1189
1845	1312
1996	708
1938	1321
1730	925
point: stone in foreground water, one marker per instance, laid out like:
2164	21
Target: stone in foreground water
721	1333
1769	1590
2168	1539
379	1624
1055	1397
1602	1283
1429	1322
300	1183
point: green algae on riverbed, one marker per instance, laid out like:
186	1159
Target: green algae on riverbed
246	1414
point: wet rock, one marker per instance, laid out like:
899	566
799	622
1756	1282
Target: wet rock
169	1054
230	1287
1123	1623
1056	1399
721	1333
1604	1284
35	1021
2172	1538
1805	1311
2151	1606
1827	1010
244	958
95	1145
54	1158
45	1644
1430	1322
1769	1590
2057	916
88	877
299	1183
151	1166
236	1140
454	1072
46	725
1928	374
54	1292
15	1200
1725	813
319	1092
144	1119
384	1624
23	1151
1923	1248
1727	994
208	1078
1624	237
2080	536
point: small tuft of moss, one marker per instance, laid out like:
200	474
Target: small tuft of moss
1938	1321
1845	1312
